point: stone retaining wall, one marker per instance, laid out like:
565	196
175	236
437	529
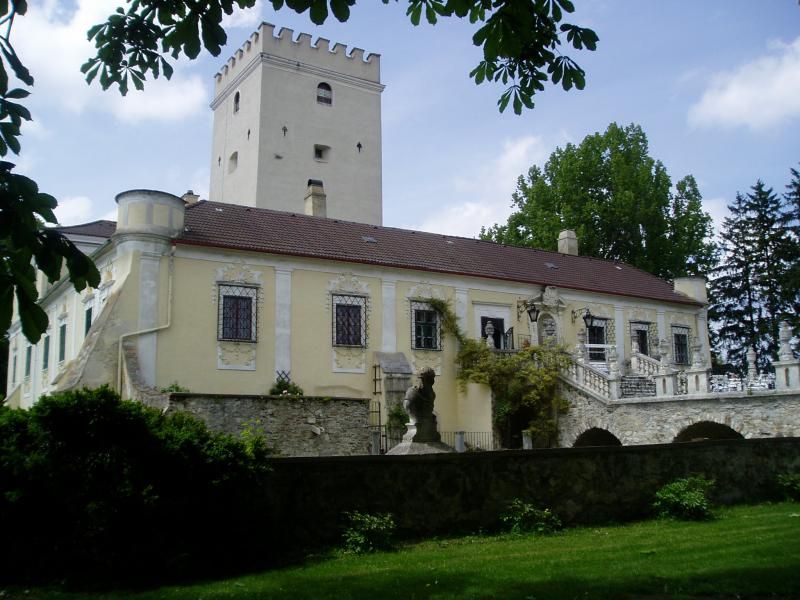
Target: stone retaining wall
294	426
659	420
447	493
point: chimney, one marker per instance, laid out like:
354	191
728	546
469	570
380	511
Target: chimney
315	199
568	242
190	197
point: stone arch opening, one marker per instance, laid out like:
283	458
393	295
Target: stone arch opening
596	437
707	430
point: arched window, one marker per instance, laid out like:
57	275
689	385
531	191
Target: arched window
324	94
236	102
233	162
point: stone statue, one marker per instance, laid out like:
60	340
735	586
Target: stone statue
418	401
422	436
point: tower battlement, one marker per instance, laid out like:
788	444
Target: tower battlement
264	43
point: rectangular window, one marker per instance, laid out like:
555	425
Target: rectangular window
236	318
680	345
62	342
640	338
28	356
349	320
46	353
87	321
596	340
14	369
425	327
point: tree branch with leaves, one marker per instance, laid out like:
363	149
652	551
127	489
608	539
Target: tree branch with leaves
24	210
521	39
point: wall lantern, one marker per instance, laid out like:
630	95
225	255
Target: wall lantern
588	318
529	307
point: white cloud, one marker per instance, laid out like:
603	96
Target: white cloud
249	17
760	94
487	192
52	43
73	209
718	209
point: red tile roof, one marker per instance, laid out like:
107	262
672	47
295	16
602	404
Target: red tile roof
103	229
232	226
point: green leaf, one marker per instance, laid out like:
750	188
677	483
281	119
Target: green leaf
341	10
19	69
18	94
318	12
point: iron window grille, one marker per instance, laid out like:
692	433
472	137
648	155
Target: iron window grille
62	342
324	94
426	330
680	345
46	353
236	318
349	320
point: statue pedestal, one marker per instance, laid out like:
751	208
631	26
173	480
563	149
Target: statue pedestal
421	438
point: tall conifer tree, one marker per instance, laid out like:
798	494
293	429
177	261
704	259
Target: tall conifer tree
752	284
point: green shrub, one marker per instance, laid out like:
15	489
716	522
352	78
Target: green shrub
175	387
368	533
94	487
284	387
685	499
790	484
522	517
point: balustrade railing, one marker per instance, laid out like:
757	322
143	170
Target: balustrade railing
590	378
644	365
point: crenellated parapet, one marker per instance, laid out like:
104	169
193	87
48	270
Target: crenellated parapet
283	47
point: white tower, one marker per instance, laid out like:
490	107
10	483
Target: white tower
287	112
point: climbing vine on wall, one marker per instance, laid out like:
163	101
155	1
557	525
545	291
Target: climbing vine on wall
523	383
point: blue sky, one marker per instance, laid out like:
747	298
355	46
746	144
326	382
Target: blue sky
715	84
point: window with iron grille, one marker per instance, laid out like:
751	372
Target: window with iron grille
425	327
324	94
349	320
236	318
680	345
62	342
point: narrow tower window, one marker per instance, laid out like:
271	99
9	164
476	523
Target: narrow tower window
324	94
233	162
236	102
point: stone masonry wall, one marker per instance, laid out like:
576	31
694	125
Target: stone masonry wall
660	420
444	493
294	426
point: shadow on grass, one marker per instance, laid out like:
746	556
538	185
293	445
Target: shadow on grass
779	582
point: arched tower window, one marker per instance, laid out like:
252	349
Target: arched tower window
236	102
324	94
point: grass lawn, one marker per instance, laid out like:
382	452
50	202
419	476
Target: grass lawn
748	552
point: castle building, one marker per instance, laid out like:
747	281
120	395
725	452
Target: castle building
286	112
287	272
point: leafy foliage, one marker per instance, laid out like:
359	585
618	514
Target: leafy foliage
285	387
24	209
367	533
619	201
685	499
522	517
521	39
91	486
522	383
396	420
175	387
790	484
755	285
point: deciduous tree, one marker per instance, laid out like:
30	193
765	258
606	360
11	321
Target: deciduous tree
619	201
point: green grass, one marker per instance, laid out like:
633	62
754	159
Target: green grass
747	552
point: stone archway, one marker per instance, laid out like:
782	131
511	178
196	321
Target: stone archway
596	436
707	430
